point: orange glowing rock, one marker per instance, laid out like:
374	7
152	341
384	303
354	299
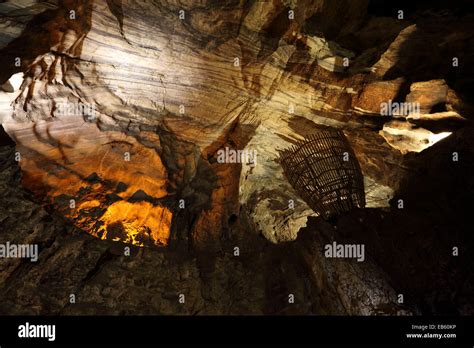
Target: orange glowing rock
70	160
89	204
58	156
139	223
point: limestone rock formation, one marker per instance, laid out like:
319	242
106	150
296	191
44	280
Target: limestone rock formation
428	94
120	111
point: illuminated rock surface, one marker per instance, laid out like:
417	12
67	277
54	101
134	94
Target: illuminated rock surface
86	174
167	94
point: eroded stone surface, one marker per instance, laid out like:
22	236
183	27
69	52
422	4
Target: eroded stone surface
229	74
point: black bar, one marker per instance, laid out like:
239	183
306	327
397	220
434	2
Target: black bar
241	330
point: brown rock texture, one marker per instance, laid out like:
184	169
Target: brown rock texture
168	85
428	94
376	93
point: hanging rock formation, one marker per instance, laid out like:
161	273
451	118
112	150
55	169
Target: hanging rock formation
168	85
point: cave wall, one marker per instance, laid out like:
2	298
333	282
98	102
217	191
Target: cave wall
242	74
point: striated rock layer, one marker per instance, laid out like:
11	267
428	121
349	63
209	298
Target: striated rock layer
124	106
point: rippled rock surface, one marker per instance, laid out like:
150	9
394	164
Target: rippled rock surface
119	111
